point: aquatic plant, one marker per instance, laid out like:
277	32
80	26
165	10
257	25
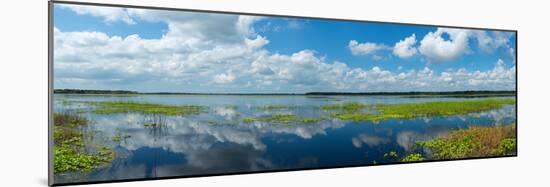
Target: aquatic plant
441	108
69	159
391	154
415	157
120	136
70	156
69	152
348	106
506	147
352	111
249	120
151	124
359	116
274	107
473	142
111	107
69	120
282	119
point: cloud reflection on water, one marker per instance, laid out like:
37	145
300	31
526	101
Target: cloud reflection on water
219	142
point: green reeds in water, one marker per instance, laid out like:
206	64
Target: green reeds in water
354	111
69	152
111	107
274	107
282	119
474	142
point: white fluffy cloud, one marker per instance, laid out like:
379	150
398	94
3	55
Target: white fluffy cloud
222	53
367	48
224	78
89	56
490	41
405	48
109	14
438	49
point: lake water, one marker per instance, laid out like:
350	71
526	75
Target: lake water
217	141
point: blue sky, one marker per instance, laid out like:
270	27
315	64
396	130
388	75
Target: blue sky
157	50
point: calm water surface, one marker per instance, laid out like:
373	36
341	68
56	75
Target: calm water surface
217	141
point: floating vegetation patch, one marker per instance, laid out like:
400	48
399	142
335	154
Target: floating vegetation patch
394	157
225	122
69	148
234	107
441	108
353	111
348	107
274	107
474	142
111	107
152	125
415	157
391	154
360	116
282	119
67	120
120	137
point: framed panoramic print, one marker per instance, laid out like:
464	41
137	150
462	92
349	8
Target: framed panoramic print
139	93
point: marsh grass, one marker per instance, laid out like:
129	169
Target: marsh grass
348	107
395	157
69	120
442	108
282	119
69	148
120	137
391	154
274	107
353	111
474	142
111	107
415	157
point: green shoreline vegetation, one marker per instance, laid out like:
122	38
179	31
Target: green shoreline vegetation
415	157
110	107
473	142
274	107
354	111
69	148
120	137
282	119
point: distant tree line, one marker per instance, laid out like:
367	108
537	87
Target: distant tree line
78	91
469	92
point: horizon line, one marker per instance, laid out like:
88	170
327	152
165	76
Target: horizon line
284	93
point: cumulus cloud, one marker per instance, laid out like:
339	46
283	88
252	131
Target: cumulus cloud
208	52
438	49
490	41
405	48
512	54
88	55
367	48
109	14
244	24
224	78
